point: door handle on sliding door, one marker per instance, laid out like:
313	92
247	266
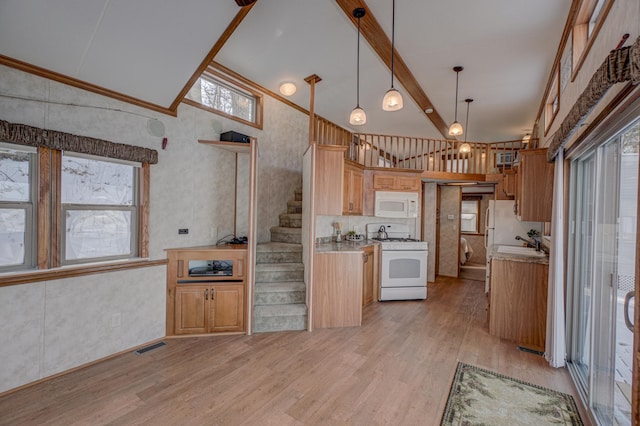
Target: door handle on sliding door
627	299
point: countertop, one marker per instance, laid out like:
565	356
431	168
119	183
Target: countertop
514	257
344	247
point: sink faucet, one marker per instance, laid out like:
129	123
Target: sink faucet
535	244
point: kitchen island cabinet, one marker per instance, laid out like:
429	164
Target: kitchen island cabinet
345	278
518	299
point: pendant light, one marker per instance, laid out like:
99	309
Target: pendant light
358	116
392	100
465	148
456	128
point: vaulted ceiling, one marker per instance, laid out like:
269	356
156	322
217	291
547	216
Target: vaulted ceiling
149	50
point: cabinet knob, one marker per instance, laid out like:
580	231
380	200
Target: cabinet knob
206	294
213	295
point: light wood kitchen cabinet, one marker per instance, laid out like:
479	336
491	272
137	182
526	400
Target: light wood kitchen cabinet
329	179
534	193
505	184
337	289
388	181
368	275
353	190
518	302
201	301
208	309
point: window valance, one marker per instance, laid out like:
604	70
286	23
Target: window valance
34	136
620	66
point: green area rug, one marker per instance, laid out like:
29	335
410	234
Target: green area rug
481	397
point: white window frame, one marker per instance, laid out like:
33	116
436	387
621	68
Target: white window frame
194	97
30	208
133	209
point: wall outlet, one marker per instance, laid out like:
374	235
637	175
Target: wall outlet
451	217
183	231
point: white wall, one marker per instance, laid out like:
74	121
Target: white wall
52	326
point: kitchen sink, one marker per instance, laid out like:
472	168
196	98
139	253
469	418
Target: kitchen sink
525	251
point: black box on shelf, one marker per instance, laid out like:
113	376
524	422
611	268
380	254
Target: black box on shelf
232	136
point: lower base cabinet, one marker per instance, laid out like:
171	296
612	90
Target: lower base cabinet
368	275
518	302
209	308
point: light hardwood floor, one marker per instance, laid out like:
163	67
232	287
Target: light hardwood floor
396	369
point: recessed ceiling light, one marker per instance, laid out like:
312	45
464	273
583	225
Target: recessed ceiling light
428	110
288	88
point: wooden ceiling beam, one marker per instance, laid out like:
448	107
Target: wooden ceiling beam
378	40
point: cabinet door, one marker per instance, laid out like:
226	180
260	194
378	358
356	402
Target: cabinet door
367	282
346	192
191	309
383	181
357	185
353	191
535	186
227	308
406	183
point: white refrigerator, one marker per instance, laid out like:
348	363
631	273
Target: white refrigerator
501	227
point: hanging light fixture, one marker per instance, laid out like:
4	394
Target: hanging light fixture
465	148
526	138
456	128
358	116
392	100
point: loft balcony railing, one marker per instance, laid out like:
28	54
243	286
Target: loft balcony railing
427	155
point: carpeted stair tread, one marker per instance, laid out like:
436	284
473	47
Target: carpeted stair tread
279	247
280	286
296	231
291	220
292	309
272	267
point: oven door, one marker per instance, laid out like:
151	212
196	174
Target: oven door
404	268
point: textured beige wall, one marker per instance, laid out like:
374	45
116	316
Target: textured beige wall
430	197
449	231
53	326
623	18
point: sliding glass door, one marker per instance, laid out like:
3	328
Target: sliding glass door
603	210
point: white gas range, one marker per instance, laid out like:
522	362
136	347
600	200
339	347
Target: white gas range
403	272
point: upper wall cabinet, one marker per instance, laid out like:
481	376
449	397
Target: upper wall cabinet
534	193
329	175
389	181
353	189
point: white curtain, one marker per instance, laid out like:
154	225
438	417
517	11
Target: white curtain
555	347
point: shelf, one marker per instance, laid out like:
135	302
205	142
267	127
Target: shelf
229	146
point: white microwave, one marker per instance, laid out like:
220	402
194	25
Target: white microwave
396	204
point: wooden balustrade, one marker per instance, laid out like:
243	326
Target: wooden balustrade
429	155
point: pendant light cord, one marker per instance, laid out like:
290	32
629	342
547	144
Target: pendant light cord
358	69
457	73
466	123
393	35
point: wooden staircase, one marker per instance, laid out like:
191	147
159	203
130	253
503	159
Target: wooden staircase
280	292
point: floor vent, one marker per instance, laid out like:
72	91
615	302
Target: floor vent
531	351
150	348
